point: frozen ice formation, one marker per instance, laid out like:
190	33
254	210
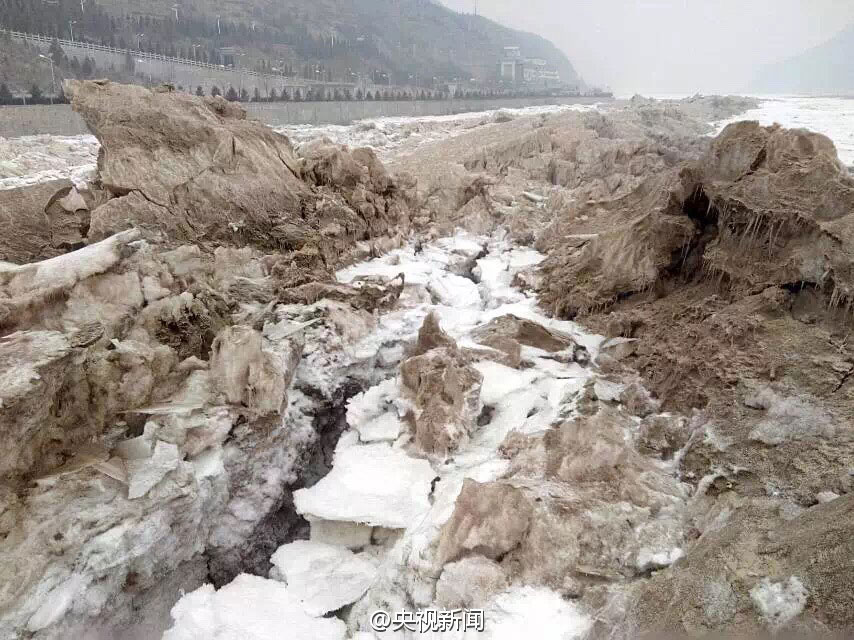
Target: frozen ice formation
323	577
248	608
373	484
457	446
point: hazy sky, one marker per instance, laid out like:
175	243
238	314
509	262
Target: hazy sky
672	45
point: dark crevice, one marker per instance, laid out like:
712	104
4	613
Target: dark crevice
687	262
283	524
797	287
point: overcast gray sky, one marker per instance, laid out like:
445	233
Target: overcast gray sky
672	46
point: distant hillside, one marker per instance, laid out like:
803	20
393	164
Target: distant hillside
827	68
383	41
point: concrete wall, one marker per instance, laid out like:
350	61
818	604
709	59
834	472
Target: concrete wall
18	121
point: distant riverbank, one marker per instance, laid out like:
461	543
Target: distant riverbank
18	121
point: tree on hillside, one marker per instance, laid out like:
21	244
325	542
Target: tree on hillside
56	52
87	69
285	95
297	95
272	96
215	91
36	96
359	94
200	92
244	95
231	95
256	97
6	96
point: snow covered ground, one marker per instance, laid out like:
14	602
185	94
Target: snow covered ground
377	516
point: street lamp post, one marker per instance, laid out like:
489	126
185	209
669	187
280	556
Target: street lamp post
149	68
52	77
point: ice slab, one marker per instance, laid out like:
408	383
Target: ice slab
322	577
248	608
372	484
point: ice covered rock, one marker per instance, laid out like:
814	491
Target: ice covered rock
372	484
322	577
33	367
57	603
431	336
249	374
248	608
446	394
470	583
524	332
40	221
607	391
145	473
444	388
489	519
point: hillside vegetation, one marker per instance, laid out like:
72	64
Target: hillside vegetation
417	42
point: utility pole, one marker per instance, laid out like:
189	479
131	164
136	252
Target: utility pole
139	37
71	24
52	76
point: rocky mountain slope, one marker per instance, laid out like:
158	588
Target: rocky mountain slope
300	385
826	68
